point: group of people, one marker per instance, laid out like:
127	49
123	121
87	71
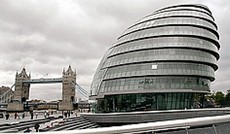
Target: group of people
67	114
16	115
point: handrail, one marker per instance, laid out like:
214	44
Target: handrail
152	126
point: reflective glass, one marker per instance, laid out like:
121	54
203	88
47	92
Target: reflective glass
176	13
147	102
159	31
159	55
185	42
164	61
99	73
172	20
163	68
183	8
155	83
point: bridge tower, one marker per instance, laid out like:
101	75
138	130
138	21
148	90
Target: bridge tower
21	92
68	89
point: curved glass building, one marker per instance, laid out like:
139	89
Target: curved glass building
166	60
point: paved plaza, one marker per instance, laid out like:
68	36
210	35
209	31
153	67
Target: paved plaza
40	115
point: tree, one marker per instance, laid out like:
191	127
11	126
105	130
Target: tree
209	100
227	98
219	98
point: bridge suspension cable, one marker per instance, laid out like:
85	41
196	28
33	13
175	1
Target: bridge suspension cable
82	91
79	91
6	93
12	86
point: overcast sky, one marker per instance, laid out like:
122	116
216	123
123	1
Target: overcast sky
46	36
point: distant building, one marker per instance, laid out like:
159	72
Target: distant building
6	94
37	101
164	61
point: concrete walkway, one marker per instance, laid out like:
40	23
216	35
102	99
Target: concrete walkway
12	120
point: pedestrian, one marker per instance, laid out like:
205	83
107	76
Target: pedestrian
18	116
36	115
45	114
65	114
15	115
7	116
31	115
36	126
48	113
23	115
76	113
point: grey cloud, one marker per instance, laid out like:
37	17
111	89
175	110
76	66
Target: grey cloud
47	36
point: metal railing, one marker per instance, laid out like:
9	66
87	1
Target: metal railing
152	126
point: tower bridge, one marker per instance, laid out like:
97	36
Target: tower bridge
22	88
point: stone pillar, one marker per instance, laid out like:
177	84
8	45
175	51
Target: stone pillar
15	107
68	89
21	92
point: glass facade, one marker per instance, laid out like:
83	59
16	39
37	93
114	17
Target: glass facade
166	83
147	102
164	61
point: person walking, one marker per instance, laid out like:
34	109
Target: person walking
45	114
23	115
31	115
36	126
36	115
7	116
15	115
65	114
18	116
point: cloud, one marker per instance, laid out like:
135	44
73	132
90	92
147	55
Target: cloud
47	36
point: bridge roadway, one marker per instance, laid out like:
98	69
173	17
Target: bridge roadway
78	88
44	80
56	80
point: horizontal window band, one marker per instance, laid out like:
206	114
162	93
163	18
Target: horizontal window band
141	76
176	16
186	5
169	47
168	25
214	66
174	35
183	9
